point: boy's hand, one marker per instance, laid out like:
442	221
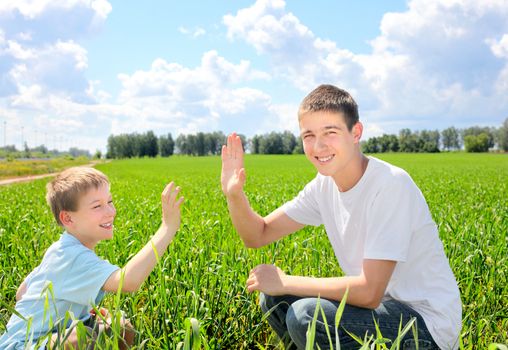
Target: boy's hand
233	172
268	279
171	208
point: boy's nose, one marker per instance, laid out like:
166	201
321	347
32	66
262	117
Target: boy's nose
319	144
111	210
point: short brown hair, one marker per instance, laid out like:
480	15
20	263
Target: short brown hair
64	191
329	98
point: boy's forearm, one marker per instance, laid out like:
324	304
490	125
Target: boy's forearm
141	265
247	222
332	288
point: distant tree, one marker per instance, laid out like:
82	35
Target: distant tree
476	143
40	149
200	149
254	144
151	145
371	145
429	141
76	152
288	142
181	144
387	143
26	151
476	131
502	136
191	144
408	141
166	145
299	146
450	138
220	139
271	143
97	154
9	149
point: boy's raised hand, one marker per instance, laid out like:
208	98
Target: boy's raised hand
171	208
233	172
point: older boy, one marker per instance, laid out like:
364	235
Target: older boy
379	226
71	278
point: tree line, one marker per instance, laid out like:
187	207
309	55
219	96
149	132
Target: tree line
473	139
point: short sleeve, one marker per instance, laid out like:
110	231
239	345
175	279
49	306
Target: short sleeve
86	278
28	278
304	208
389	226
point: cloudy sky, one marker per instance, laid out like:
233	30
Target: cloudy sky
73	72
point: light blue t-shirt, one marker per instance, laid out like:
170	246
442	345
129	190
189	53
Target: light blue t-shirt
75	275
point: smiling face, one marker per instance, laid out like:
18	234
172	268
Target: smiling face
93	219
329	145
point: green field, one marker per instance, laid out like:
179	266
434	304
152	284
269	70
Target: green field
204	271
14	168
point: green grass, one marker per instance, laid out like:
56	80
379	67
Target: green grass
15	168
203	274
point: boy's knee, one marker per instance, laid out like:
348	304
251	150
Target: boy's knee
266	302
298	318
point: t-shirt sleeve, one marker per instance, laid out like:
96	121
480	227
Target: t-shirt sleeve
390	220
304	208
28	278
86	278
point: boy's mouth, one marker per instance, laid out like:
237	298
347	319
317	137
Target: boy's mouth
325	159
107	226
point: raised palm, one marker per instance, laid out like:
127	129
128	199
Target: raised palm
233	172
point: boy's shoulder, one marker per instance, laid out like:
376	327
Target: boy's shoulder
386	173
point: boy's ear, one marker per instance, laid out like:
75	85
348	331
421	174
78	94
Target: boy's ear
65	218
357	131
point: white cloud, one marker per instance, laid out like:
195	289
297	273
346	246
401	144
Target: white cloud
439	63
194	33
32	9
191	99
499	48
436	60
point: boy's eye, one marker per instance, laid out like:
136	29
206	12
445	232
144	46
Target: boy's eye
97	206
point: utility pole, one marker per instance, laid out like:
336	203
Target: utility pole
5	134
22	139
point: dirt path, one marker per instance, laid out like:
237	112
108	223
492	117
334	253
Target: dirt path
34	177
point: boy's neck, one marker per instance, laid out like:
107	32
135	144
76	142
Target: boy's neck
81	239
349	177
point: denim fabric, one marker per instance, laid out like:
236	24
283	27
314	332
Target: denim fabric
290	317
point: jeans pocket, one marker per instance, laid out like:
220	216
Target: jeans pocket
422	344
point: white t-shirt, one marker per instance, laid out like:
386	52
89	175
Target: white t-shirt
76	275
385	217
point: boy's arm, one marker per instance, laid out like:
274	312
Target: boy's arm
365	290
139	267
21	290
254	230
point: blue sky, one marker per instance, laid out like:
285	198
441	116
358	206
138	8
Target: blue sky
73	72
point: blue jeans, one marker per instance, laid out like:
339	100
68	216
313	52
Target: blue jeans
290	317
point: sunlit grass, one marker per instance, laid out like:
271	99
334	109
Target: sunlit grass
199	286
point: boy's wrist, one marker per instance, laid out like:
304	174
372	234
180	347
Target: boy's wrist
235	196
167	229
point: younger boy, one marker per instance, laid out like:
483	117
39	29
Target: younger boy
378	224
71	279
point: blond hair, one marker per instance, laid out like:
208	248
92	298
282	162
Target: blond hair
64	191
